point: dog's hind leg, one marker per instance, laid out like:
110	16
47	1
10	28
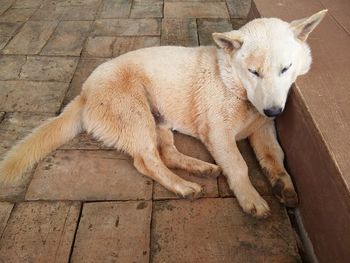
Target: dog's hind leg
122	118
270	155
174	159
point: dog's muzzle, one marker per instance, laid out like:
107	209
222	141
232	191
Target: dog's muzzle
273	111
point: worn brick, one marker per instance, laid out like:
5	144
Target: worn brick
31	96
99	46
88	175
3	41
113	232
80	13
147	9
255	173
182	32
195	10
84	69
10	67
216	230
115	9
125	44
127	27
31	38
49	68
13	128
238	9
5	211
208	26
84	141
40	232
49	12
9	28
4	5
192	147
237	23
17	15
27	3
70	3
17	125
68	38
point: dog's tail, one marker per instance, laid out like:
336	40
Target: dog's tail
44	139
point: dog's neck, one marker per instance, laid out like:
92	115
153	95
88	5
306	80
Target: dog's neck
229	76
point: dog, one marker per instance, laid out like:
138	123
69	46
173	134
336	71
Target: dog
218	95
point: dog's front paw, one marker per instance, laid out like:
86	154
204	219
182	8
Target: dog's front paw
189	190
285	193
254	204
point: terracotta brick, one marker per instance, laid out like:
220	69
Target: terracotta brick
68	39
14	127
9	28
49	68
88	175
31	38
238	9
40	232
5	211
216	230
146	9
195	10
255	173
17	15
127	27
5	4
115	9
10	67
125	44
113	232
27	3
181	32
208	26
99	46
84	69
49	12
31	96
80	13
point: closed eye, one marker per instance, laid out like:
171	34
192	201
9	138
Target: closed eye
253	71
286	68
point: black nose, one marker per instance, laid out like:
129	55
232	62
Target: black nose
273	111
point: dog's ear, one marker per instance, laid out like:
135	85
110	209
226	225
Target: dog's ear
229	41
303	27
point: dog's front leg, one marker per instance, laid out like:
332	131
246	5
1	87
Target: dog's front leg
223	147
270	155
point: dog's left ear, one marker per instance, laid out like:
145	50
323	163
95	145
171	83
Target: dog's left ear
303	27
229	42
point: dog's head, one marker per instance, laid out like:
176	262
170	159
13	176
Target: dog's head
268	55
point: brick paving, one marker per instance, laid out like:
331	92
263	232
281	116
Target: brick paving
86	202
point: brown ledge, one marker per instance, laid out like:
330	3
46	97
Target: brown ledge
314	128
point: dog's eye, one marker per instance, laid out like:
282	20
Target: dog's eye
254	72
286	68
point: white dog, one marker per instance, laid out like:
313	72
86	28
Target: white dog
219	96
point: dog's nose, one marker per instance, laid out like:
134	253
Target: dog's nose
273	111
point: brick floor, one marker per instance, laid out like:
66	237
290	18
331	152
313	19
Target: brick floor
47	50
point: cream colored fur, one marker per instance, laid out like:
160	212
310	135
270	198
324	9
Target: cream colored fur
134	101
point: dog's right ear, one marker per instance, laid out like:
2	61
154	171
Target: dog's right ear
229	41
